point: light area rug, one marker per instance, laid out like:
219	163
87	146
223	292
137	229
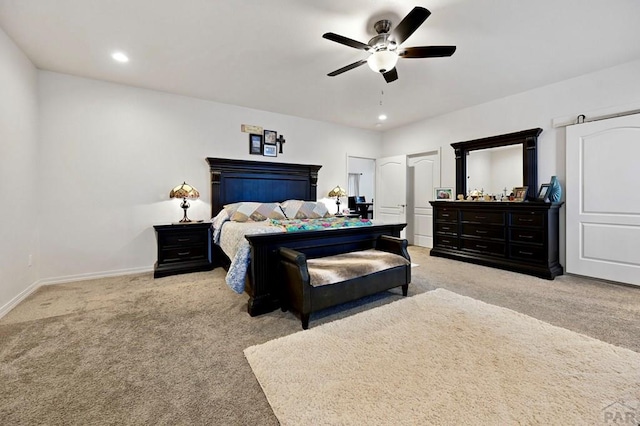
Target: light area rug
441	358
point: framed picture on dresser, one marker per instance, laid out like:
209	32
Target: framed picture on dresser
520	193
543	193
443	194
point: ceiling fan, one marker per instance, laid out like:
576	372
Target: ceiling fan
385	49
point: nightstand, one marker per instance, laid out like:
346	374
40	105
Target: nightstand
183	248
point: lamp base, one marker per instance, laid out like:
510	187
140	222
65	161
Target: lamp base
185	219
186	223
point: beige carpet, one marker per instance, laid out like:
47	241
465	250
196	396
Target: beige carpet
442	358
134	350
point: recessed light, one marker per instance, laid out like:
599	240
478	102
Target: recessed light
120	57
382	117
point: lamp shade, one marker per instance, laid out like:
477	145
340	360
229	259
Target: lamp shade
382	61
337	192
184	191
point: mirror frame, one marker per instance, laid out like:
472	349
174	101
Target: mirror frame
529	141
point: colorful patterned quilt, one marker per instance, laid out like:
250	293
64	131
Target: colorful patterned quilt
294	225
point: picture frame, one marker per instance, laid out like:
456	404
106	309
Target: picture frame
543	192
520	193
270	150
443	194
255	144
270	136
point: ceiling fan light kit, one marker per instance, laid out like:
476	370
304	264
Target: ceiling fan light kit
384	48
382	61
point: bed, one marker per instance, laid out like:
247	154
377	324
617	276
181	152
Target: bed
234	181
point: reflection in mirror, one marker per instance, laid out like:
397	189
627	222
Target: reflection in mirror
526	140
495	170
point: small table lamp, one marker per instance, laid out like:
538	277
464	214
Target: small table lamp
337	192
184	191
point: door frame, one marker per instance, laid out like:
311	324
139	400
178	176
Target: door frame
361	157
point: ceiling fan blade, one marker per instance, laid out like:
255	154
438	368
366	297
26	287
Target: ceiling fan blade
347	68
390	76
346	41
427	51
409	24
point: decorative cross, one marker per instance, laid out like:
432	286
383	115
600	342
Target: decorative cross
281	141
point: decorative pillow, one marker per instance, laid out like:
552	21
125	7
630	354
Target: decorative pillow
298	209
231	209
257	212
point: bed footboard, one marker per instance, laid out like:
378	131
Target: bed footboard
264	283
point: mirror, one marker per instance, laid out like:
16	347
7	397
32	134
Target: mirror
496	170
491	163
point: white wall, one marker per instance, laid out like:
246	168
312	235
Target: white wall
18	173
111	154
536	108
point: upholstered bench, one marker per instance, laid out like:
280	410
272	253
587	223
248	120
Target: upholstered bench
310	285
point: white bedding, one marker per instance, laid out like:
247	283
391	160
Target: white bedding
230	237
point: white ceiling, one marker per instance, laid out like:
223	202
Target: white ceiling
270	55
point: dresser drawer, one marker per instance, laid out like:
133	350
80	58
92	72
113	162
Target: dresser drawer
484	247
533	219
446	241
447	215
181	254
447	228
528	253
482	231
524	235
492	218
182	238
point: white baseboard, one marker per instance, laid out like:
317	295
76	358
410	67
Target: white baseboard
68	279
4	310
93	276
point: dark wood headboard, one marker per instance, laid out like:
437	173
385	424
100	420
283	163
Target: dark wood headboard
262	181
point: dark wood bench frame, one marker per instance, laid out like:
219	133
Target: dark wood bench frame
302	297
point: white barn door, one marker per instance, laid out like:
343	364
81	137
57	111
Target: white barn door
603	199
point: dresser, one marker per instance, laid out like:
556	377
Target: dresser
183	248
516	236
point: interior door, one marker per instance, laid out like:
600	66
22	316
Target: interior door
602	201
391	189
425	176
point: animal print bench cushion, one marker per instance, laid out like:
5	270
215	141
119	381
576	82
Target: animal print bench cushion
343	267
